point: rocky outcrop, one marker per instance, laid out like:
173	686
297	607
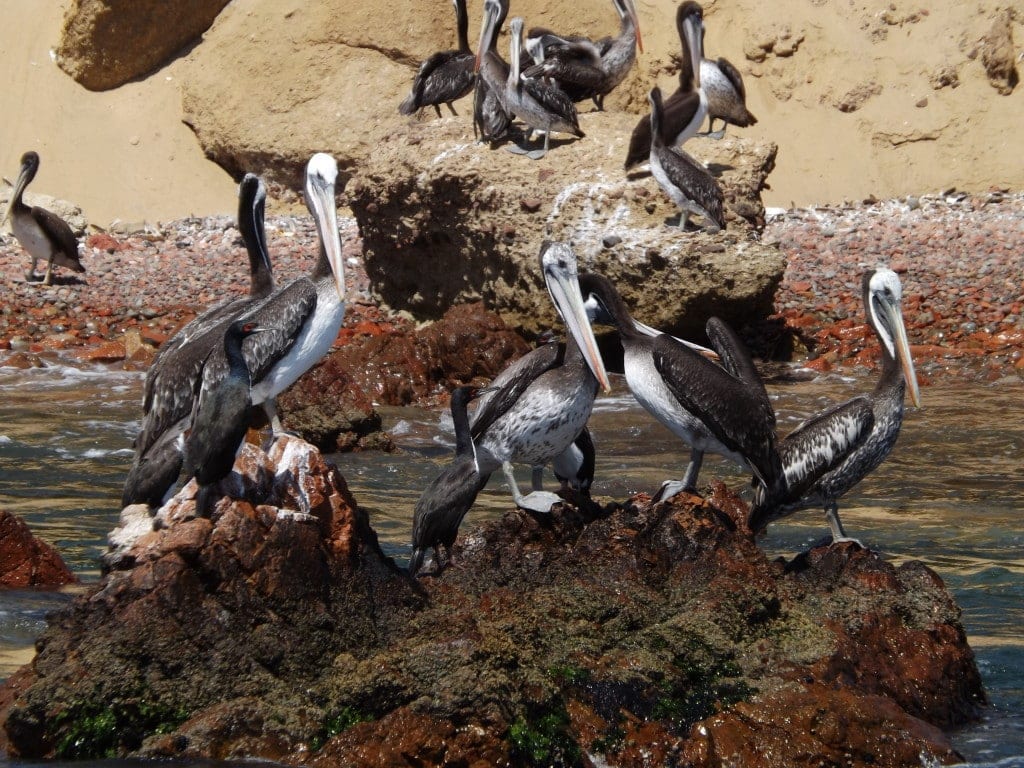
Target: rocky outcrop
446	220
27	561
998	54
633	634
106	43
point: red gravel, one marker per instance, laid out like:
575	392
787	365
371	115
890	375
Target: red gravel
961	261
960	258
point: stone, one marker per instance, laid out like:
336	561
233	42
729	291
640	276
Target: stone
106	43
632	632
27	561
998	54
433	207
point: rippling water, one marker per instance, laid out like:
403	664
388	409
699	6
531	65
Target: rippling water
951	495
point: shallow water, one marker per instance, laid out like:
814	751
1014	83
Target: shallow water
951	495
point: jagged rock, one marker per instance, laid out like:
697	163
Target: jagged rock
415	366
27	561
106	43
999	55
443	222
647	634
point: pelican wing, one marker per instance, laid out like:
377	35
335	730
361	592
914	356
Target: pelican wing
823	442
735	358
60	234
677	112
510	384
737	415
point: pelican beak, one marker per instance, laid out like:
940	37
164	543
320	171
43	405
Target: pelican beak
695	42
321	175
17	190
558	263
902	350
631	10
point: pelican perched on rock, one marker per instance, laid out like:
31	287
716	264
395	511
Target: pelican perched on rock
686	108
44	234
574	467
726	94
585	69
491	118
446	76
721	409
829	454
173	379
220	419
543	400
541	105
688	183
445	502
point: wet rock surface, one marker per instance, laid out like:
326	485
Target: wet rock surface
27	561
627	632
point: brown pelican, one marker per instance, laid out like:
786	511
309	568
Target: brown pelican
447	75
308	311
445	502
721	409
44	234
543	400
221	419
686	108
584	69
491	118
727	96
173	380
829	454
688	183
541	105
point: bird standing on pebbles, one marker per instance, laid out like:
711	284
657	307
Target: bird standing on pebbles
42	233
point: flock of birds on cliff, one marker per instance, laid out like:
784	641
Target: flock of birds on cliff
570	69
209	381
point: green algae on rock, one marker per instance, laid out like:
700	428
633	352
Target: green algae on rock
649	634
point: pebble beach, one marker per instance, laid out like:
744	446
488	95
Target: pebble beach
959	257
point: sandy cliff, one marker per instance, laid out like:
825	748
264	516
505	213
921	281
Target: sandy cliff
863	98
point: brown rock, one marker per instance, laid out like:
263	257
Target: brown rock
106	43
999	55
443	205
27	561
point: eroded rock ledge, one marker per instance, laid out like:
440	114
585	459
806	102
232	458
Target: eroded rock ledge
651	635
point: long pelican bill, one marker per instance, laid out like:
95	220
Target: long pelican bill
695	42
647	330
631	10
559	264
321	175
902	349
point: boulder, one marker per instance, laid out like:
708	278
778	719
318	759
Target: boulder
446	220
106	43
625	633
27	561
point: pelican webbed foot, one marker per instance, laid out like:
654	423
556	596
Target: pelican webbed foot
671	488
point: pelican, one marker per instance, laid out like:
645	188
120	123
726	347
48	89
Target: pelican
574	467
42	233
721	409
221	418
829	454
308	311
172	382
727	96
446	75
542	106
687	107
445	502
585	69
543	400
689	184
491	118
